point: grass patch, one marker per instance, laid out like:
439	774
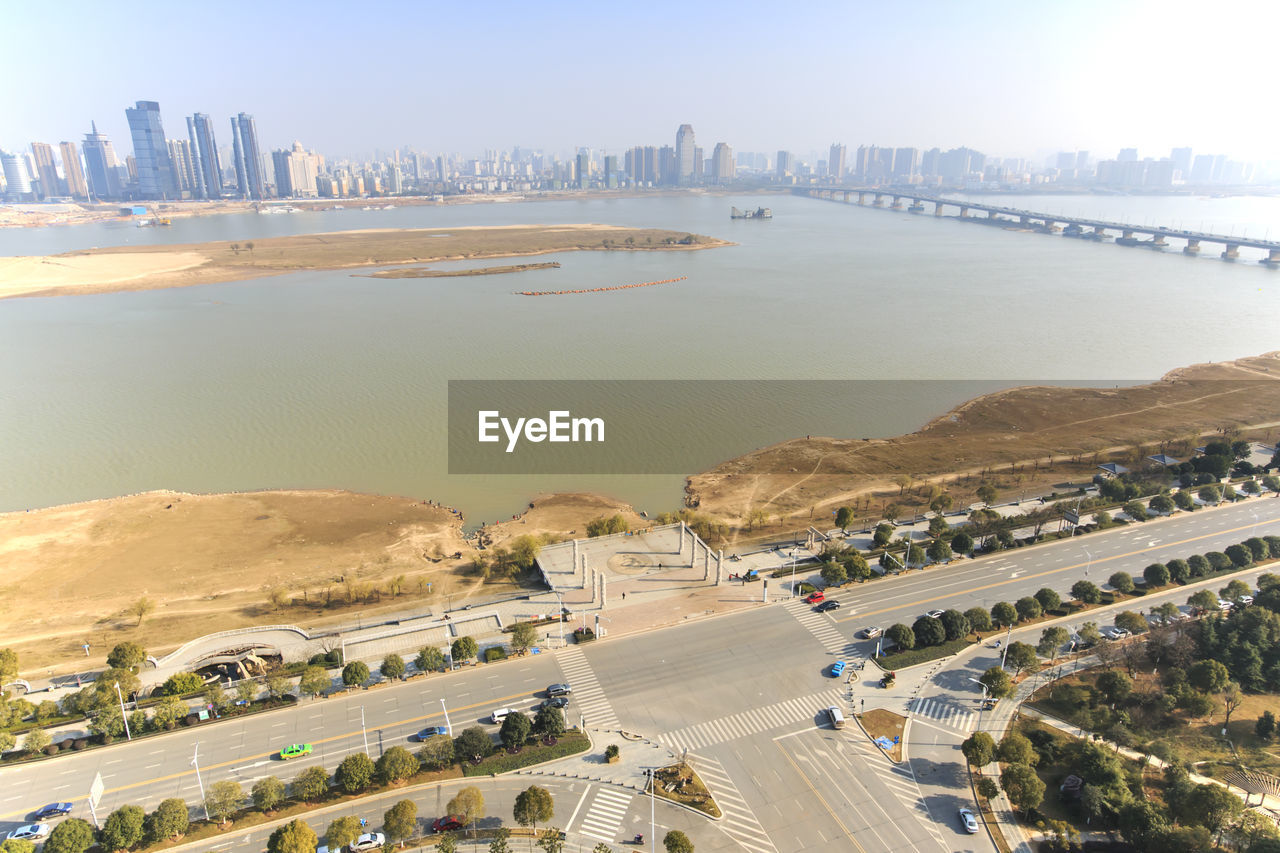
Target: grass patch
902	659
570	743
679	784
882	723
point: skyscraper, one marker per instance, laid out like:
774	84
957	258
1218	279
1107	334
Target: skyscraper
18	185
156	178
296	172
101	165
183	166
46	169
836	161
906	162
249	178
204	148
76	187
685	155
722	165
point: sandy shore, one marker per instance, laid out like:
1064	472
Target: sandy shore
152	267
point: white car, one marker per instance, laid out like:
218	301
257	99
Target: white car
968	821
934	614
30	832
1115	633
368	841
499	715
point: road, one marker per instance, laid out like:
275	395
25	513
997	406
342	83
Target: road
743	693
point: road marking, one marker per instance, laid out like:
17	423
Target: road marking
830	811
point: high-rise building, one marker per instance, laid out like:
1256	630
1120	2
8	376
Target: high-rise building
204	148
906	162
786	165
668	166
1181	158
17	184
686	156
611	171
583	169
297	172
836	162
249	178
184	168
46	170
156	177
101	166
722	166
1082	162
929	162
1127	155
76	186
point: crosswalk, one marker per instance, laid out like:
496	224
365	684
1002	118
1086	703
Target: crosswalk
944	713
818	625
898	779
605	814
739	822
587	693
746	723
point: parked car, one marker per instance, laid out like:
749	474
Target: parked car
447	823
53	810
432	731
815	596
934	614
837	669
968	821
30	832
870	633
1115	633
559	690
828	605
553	702
295	750
368	841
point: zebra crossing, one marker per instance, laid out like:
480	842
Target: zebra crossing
746	723
605	814
944	713
898	779
818	625
587	693
739	822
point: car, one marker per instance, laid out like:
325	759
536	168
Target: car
828	605
934	614
870	632
968	821
1223	604
295	750
432	731
837	669
1115	633
499	715
30	832
1245	599
554	702
559	690
989	703
814	597
368	841
448	823
53	810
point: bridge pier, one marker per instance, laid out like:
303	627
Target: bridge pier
1273	258
1192	248
964	212
862	198
916	207
846	196
879	202
1157	241
1232	252
937	208
897	203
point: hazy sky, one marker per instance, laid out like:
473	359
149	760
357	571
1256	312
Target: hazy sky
1008	78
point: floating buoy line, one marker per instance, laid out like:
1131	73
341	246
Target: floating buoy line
597	289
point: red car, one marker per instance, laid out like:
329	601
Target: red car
447	823
815	597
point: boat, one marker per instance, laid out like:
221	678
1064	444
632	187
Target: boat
758	213
164	221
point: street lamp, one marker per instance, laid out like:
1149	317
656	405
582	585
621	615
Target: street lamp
653	837
1089	563
448	725
364	732
119	696
560	616
195	762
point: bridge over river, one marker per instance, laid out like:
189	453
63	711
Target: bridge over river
1125	234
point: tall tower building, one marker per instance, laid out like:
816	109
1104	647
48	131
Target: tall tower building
101	165
836	164
17	184
722	166
183	165
204	150
685	155
46	169
76	186
156	178
249	177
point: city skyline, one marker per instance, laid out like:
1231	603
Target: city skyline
1011	80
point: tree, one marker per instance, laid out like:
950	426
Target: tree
392	666
315	680
277	685
1212	807
549	722
979	749
1162	503
355	673
224	799
294	837
893	511
310	785
1135	510
73	835
1231	700
979	619
396	765
141	608
987	493
929	631
400	821
962	543
1049	599
1020	656
1003	614
267	793
834	574
447	843
123	828
1086	592
523	637
500	841
1089	634
954	624
1114	686
170	820
105	685
1156	575
1121	582
342	832
1200	565
1015	748
676	841
1028	608
550	842
533	806
1239	555
1184	500
473	741
1209	676
515	730
429	659
19	845
464	648
1023	786
36	740
1051	641
1209	494
1179	570
127	655
844	515
1235	591
355	773
1131	621
939	551
437	752
882	535
1265	728
998	682
987	788
246	691
901	635
182	684
1142	823
469	803
1203	600
1258	548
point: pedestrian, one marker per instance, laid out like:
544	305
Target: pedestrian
624	596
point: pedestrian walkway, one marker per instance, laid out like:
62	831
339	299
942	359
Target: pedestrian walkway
592	704
739	822
898	779
604	815
944	713
747	723
819	625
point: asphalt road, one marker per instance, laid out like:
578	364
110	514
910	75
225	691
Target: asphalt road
743	693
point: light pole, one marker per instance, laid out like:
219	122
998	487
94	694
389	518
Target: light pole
985	693
363	732
127	734
653	839
1004	654
560	617
448	725
195	762
1089	563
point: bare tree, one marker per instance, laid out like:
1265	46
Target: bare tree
142	607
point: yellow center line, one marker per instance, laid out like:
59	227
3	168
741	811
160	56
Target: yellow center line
821	798
1044	574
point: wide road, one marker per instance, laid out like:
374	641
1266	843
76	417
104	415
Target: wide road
743	693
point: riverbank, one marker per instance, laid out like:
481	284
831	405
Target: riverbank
424	272
163	266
